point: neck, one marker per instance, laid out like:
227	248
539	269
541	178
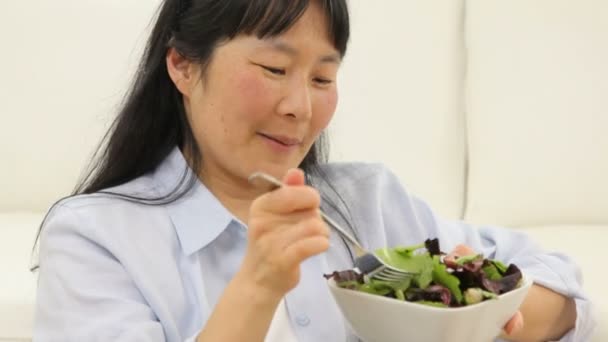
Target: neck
235	193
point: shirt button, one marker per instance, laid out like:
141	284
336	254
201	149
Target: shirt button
302	320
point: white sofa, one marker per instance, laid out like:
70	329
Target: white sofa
494	111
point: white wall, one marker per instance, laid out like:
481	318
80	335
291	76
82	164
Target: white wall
65	65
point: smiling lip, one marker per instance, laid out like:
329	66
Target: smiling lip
283	140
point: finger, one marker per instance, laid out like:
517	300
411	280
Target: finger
262	225
457	252
462	250
294	177
515	324
288	199
304	249
312	226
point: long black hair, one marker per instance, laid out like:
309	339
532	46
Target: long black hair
152	120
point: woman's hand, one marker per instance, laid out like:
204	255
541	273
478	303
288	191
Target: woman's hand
284	229
516	323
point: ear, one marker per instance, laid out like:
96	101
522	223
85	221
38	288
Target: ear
181	71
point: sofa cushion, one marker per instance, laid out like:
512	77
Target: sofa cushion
537	111
401	96
585	245
18	286
17	290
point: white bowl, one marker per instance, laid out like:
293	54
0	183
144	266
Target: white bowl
376	318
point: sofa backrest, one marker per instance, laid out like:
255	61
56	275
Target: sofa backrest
401	93
402	96
537	116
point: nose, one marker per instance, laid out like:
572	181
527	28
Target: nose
296	99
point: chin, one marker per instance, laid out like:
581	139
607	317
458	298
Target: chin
276	170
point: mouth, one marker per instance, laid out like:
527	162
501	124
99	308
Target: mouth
282	140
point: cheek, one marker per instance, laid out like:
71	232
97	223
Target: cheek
253	95
324	109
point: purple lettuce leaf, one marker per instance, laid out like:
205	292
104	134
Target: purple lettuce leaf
433	293
432	245
507	283
347	279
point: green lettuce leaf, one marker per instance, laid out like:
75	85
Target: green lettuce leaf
502	268
429	303
492	272
443	277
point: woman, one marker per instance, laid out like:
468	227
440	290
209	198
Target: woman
167	240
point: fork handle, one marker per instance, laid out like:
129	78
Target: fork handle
261	179
359	250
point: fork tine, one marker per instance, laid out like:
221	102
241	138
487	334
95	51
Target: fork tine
396	272
387	277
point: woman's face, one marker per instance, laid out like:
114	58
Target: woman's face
261	104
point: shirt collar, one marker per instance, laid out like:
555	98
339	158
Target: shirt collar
198	216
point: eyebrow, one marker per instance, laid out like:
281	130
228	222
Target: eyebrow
290	50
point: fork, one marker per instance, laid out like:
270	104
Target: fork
366	262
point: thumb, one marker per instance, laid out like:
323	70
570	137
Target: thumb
294	177
515	324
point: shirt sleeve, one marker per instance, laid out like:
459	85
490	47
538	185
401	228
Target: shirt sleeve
555	271
84	293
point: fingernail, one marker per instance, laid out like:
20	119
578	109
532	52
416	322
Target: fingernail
518	325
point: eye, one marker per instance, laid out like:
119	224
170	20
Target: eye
322	81
276	71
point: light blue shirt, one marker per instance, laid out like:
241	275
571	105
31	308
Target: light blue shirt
114	270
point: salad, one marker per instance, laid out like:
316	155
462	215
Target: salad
438	279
